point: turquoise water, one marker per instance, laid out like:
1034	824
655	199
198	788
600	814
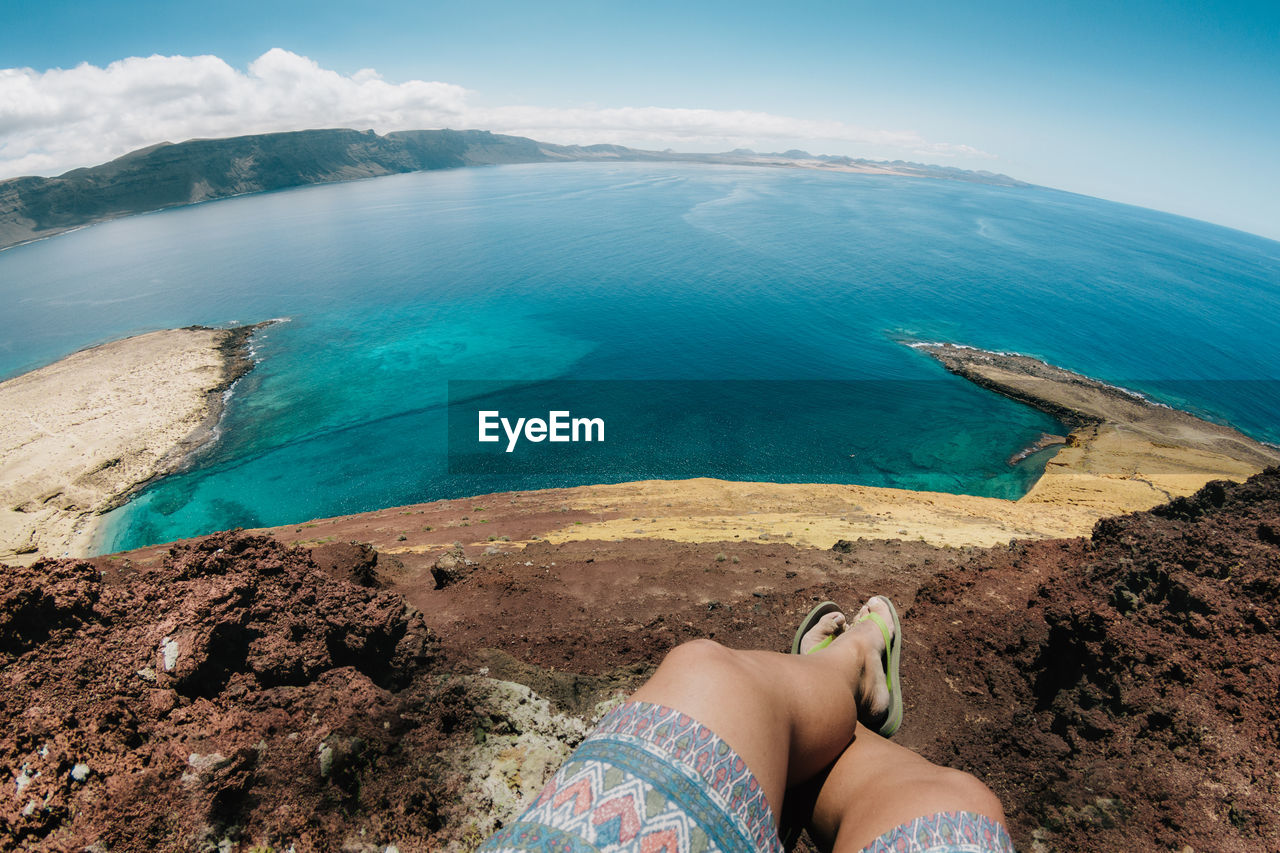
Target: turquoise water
395	286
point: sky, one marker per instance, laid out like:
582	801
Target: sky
1165	104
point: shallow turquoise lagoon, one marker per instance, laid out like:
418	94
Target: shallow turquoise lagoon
524	275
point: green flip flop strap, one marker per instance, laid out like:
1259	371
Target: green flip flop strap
888	643
822	645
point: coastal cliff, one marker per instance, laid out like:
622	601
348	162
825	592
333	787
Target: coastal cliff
170	175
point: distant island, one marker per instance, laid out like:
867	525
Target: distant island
171	175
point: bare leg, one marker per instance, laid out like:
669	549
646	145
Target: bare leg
877	785
788	716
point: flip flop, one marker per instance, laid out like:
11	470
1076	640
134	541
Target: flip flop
790	825
815	615
892	657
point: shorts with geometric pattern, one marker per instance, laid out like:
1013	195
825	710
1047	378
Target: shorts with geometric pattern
653	780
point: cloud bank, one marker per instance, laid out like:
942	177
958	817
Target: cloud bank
56	120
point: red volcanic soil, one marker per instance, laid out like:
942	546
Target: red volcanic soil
1118	692
235	690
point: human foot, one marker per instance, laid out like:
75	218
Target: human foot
825	636
875	630
820	635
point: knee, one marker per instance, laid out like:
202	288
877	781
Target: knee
968	793
701	661
698	655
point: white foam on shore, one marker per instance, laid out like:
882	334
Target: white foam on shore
215	431
48	236
251	346
939	344
1137	395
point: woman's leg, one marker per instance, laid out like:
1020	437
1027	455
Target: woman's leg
877	785
787	716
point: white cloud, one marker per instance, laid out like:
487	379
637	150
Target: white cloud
60	119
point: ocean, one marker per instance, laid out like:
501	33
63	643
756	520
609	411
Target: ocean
733	322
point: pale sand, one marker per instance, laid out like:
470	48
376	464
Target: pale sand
77	437
810	515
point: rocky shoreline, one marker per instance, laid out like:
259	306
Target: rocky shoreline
79	437
234	348
1044	442
1125	452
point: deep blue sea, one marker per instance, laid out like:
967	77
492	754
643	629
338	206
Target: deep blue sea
797	285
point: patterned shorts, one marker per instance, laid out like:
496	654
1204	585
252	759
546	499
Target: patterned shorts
945	832
651	779
647	779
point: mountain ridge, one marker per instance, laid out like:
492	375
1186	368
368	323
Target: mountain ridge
176	174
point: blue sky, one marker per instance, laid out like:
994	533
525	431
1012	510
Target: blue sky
1171	105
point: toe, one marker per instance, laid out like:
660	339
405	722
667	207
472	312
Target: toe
829	625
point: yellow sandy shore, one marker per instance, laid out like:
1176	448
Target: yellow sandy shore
78	436
810	515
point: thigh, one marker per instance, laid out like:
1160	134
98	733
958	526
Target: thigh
879	790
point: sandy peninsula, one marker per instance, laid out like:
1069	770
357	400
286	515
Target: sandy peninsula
1124	453
79	436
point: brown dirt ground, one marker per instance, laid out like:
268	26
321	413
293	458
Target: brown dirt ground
1117	692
